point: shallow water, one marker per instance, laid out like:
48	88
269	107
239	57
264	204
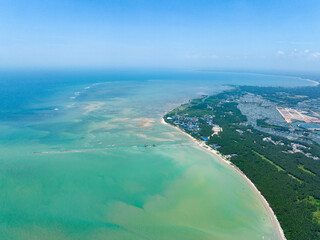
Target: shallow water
74	163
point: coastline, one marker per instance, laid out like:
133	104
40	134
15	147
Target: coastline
204	146
316	83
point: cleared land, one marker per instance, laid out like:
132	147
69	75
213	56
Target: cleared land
290	114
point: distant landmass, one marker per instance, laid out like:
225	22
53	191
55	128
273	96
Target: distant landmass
272	134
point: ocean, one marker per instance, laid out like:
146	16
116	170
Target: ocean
84	155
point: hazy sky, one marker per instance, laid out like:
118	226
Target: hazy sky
268	34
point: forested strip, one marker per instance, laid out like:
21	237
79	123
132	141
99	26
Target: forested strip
289	181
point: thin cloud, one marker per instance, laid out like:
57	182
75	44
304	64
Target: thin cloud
301	43
296	53
201	56
315	55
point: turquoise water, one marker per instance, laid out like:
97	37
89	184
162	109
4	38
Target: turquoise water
74	163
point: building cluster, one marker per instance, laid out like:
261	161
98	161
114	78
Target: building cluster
192	124
301	122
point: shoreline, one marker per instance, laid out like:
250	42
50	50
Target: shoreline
204	146
316	83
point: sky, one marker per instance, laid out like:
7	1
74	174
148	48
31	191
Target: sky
242	34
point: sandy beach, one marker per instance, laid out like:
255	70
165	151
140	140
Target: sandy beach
217	154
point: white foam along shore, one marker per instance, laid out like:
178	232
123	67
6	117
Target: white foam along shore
218	155
316	83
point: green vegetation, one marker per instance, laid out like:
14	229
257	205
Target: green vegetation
205	130
315	202
289	181
290	96
305	170
272	163
264	124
